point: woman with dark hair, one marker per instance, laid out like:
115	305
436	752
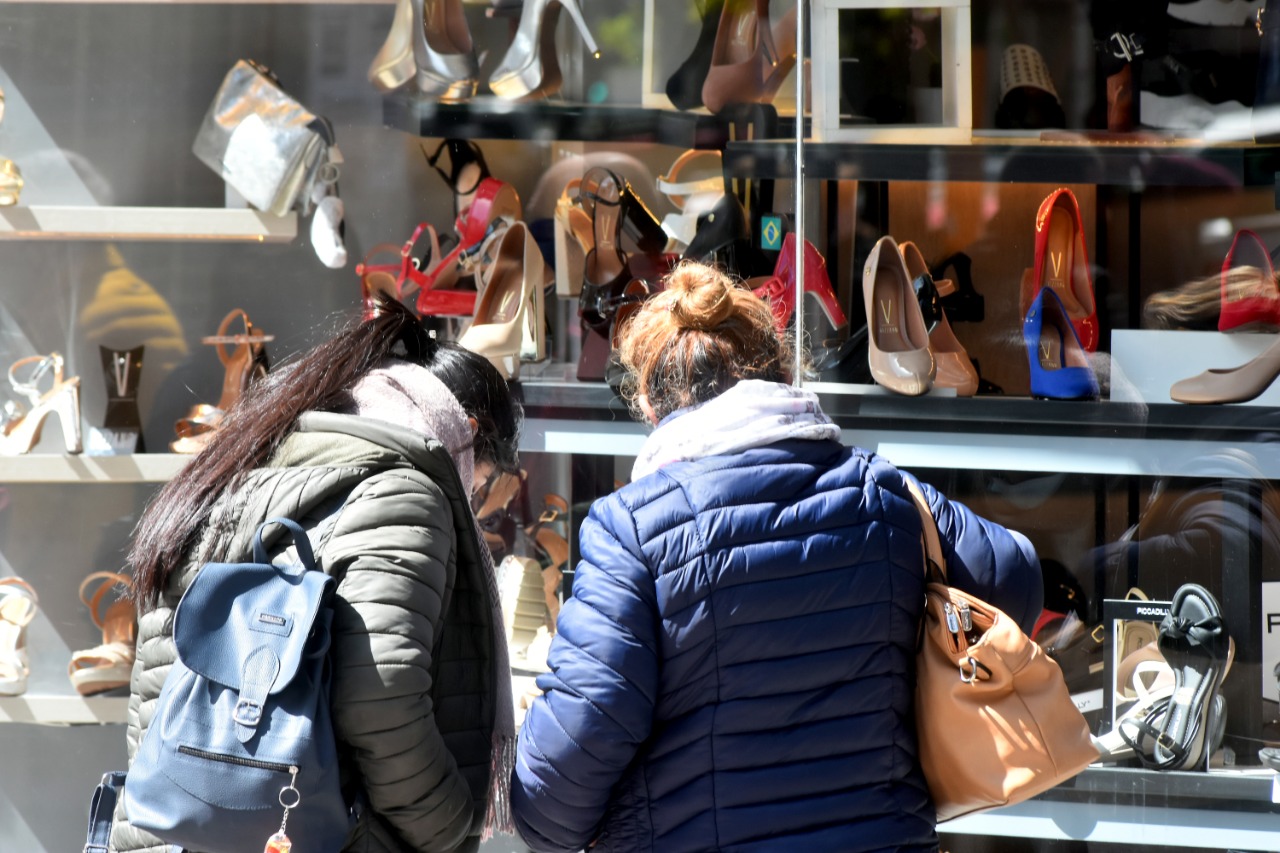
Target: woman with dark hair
374	442
735	668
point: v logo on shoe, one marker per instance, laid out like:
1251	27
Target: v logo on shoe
1056	258
886	308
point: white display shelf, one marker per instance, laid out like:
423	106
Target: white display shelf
1154	827
56	468
51	222
63	710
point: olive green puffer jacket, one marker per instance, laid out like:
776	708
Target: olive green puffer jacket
412	693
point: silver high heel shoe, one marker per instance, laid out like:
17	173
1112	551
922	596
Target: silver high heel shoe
530	68
393	66
429	41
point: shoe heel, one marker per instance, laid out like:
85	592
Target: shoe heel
570	262
571	6
68	409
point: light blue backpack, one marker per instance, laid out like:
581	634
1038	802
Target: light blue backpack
241	744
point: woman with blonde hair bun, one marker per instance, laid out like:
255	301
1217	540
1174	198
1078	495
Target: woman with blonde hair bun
735	668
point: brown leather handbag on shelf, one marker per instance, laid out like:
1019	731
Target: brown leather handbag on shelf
995	722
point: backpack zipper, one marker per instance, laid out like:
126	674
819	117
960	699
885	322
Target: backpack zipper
233	759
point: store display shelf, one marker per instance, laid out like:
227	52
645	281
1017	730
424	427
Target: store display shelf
1222	809
1133	166
64	710
81	468
982	433
494	118
52	222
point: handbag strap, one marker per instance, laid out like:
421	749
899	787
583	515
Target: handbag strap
935	567
101	812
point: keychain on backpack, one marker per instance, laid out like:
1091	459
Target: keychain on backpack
280	843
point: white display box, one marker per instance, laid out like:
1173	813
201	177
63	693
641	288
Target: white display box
957	75
1145	363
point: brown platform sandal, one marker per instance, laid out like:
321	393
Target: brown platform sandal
109	665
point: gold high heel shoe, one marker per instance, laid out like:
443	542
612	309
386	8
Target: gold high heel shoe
245	364
574	240
19	430
510	320
530	68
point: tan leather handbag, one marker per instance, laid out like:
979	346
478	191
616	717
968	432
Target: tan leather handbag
995	722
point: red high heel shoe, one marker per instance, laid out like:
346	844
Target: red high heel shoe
779	290
1250	298
1062	263
401	277
436	285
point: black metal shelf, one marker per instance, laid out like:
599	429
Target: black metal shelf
543	121
595	402
1133	166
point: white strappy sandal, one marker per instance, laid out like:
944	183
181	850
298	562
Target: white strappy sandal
18	606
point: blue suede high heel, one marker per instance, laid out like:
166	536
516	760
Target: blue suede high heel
1059	367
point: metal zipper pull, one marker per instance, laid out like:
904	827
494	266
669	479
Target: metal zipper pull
966	617
953	624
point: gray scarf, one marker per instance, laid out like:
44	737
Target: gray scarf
408	395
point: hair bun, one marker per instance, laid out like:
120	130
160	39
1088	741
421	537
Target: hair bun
701	297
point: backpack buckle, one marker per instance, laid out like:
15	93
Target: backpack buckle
247	713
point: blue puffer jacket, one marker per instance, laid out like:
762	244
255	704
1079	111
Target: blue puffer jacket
734	670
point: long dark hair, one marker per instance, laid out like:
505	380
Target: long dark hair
319	380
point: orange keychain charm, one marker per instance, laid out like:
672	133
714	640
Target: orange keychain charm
289	798
278	843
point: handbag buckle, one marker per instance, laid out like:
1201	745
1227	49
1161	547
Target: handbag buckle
970	677
247	713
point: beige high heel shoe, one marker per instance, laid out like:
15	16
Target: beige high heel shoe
897	341
109	665
20	430
18	606
955	370
510	320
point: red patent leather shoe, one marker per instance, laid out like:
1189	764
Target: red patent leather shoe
779	290
1062	263
1250	298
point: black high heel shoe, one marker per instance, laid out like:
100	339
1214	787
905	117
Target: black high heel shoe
723	238
962	303
467	169
684	87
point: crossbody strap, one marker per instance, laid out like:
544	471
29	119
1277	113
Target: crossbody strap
935	563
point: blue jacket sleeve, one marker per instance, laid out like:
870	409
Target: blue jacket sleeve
597	704
996	564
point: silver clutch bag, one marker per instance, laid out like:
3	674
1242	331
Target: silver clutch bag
263	143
